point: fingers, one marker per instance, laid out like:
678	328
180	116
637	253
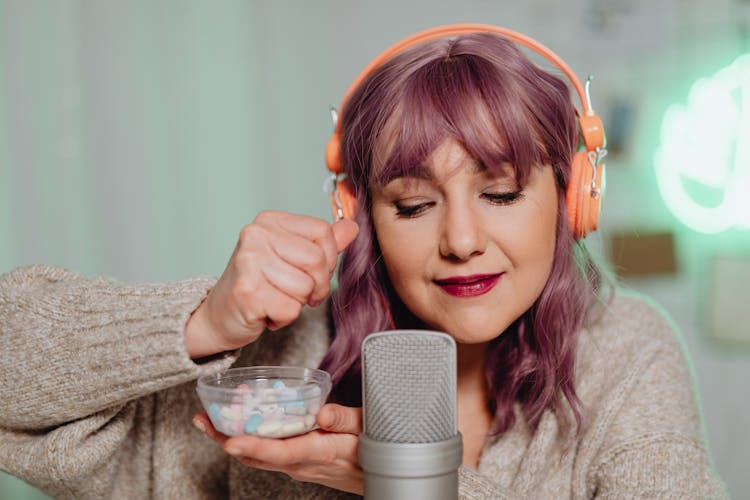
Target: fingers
327	458
276	308
302	270
344	232
313	229
281	263
276	452
203	424
286	247
342	419
258	299
292	280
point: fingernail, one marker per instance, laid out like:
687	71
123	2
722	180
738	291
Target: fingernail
199	425
234	451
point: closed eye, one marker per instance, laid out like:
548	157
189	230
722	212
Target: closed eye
409	211
503	198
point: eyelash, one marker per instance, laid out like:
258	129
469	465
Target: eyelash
503	198
411	211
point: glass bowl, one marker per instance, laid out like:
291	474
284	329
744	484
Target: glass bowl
266	401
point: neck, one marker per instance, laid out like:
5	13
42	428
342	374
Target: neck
474	418
470	368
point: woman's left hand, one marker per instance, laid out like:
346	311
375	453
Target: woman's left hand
327	456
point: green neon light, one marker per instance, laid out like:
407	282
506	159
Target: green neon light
703	160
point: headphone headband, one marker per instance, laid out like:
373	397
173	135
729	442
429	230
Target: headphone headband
462	29
583	193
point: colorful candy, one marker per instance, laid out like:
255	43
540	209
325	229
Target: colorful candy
276	411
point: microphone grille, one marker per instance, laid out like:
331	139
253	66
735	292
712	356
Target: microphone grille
409	386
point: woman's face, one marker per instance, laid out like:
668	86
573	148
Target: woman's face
467	251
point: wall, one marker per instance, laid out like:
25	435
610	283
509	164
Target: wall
136	138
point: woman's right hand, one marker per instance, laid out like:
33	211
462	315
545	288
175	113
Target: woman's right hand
282	262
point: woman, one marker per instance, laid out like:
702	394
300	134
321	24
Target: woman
459	152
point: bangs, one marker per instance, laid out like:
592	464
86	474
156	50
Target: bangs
465	99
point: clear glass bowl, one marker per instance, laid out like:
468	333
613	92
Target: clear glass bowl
267	401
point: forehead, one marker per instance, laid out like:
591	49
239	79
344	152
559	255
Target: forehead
424	149
445	161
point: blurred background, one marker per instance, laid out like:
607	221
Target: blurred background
138	137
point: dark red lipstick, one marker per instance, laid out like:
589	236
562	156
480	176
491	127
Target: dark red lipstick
468	286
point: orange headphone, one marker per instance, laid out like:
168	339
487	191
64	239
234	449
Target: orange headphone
583	194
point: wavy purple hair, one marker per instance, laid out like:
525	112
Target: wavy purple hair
481	91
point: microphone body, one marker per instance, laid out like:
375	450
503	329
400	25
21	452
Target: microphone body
410	447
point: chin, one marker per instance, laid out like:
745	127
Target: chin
473	332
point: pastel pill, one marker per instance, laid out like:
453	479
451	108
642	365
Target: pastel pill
292	427
295	409
235	428
231	413
214	411
309	421
275	413
270	428
288	394
249	404
251	426
313	406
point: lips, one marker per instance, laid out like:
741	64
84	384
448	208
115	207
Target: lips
468	286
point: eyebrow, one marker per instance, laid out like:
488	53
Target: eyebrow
422	171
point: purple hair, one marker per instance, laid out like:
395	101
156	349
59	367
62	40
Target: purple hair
479	90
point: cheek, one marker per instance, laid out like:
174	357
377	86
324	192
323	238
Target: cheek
397	251
543	240
546	235
406	248
529	240
401	254
546	203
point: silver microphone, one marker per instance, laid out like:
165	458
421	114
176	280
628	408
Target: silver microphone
410	447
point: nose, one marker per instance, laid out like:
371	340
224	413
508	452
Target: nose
462	232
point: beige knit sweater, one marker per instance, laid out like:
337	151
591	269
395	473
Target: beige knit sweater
98	393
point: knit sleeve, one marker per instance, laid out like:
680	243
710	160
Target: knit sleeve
654	446
474	486
74	347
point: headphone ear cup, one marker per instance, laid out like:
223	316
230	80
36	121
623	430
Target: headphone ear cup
345	194
581	203
333	154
